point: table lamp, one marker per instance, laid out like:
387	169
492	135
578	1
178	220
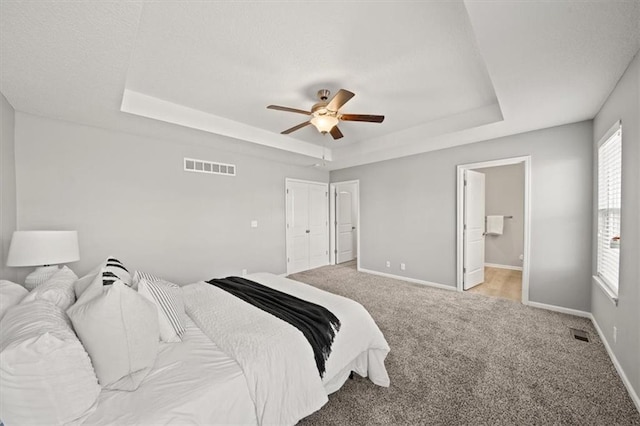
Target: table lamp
45	249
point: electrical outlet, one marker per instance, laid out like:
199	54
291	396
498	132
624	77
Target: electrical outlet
402	266
388	264
615	334
244	272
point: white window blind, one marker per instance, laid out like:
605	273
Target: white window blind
609	202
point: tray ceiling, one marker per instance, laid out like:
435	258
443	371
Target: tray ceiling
443	73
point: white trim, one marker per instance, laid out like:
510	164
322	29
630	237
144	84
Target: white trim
496	163
613	298
616	126
616	364
527	217
332	221
612	356
305	181
497	265
561	309
169	112
411	280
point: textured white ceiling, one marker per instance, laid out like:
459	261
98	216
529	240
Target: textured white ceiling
443	73
412	62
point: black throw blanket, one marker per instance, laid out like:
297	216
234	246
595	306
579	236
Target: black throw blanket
317	323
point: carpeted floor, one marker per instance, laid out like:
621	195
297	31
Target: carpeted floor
461	358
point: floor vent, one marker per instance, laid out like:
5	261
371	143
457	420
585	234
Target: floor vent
579	334
201	166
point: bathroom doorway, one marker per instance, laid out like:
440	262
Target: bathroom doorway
493	228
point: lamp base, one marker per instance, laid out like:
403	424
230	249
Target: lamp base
40	275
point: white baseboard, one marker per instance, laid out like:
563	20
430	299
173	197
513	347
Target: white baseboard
562	309
497	265
411	280
614	360
612	356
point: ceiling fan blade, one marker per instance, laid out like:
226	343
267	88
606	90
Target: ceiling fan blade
294	128
362	117
340	98
281	108
336	133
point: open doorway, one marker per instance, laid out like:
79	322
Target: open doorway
344	216
494	228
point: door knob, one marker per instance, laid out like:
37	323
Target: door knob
307	231
353	227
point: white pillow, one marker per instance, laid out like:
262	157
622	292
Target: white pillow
138	275
10	295
83	283
119	330
46	374
58	289
167	297
114	270
109	270
93	286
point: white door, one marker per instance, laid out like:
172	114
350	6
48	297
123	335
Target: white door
307	233
345	223
473	229
318	225
297	226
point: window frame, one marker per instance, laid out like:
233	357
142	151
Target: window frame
613	135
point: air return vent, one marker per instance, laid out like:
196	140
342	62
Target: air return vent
201	166
579	334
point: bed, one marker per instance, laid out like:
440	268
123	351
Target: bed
239	365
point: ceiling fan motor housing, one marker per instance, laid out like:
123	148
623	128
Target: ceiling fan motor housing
323	94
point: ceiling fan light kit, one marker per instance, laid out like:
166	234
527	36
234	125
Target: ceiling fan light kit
325	115
324	123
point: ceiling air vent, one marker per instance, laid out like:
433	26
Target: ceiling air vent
201	166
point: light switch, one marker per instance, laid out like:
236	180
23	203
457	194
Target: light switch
254	223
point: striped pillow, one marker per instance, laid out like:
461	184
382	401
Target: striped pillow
138	275
168	299
114	270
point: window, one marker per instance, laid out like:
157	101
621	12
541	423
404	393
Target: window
609	202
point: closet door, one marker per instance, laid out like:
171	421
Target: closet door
307	225
318	225
297	227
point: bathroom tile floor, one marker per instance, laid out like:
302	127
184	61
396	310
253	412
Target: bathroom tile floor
498	282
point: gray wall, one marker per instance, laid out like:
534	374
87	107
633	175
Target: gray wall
7	186
504	195
624	104
408	211
128	196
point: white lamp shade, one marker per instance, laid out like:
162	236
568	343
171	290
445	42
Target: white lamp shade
36	248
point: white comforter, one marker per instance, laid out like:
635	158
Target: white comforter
192	382
276	359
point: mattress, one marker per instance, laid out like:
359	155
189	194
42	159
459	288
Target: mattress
191	383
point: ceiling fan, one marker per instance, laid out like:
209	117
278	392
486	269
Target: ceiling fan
325	115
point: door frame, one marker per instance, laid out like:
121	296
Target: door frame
527	217
286	215
332	221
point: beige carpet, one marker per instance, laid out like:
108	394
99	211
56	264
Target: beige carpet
462	358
